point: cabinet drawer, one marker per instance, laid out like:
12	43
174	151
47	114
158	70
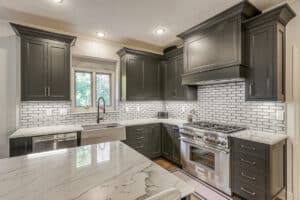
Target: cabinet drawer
250	148
257	180
250	162
248	192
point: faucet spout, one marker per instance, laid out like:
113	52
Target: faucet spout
98	109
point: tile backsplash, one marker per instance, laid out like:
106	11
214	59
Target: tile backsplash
223	103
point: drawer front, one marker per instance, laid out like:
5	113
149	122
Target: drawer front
250	148
250	162
248	192
256	180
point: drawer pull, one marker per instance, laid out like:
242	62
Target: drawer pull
139	147
139	138
248	192
248	162
248	177
139	129
248	148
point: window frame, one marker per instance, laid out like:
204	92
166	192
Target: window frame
94	71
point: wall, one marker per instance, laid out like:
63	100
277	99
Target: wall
225	103
9	85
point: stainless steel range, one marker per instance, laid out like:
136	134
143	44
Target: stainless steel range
206	154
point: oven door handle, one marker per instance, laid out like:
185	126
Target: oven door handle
204	146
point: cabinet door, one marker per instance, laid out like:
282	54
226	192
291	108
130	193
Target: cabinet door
20	146
176	145
33	69
261	46
58	72
151	76
170	78
155	140
167	146
135	78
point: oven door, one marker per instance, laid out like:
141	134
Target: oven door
208	164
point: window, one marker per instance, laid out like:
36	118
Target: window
91	81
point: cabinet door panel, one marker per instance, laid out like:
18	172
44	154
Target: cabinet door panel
155	141
135	78
176	145
167	146
33	67
151	79
259	84
170	74
58	72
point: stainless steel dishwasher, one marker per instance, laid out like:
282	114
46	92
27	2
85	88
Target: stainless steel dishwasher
52	142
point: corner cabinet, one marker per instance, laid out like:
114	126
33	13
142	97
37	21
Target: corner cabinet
140	75
173	69
265	47
45	64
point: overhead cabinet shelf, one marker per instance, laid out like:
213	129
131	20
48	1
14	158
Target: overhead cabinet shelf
45	64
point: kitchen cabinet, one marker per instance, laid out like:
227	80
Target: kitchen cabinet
173	68
265	36
155	140
45	64
20	146
171	143
140	75
258	171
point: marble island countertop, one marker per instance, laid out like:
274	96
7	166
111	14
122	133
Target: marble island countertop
48	130
106	171
259	136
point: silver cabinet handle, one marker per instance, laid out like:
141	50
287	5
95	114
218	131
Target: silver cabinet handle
250	89
248	148
49	92
248	162
248	192
45	90
248	177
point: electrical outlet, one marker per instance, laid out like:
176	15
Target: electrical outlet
49	112
63	111
280	115
138	109
127	109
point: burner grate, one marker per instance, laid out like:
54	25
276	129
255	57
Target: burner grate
222	128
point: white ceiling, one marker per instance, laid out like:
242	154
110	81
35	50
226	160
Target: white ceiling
121	20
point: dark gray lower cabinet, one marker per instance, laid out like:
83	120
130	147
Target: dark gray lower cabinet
171	143
20	146
155	140
258	171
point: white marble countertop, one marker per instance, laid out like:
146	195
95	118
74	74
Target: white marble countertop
106	171
259	136
48	130
45	130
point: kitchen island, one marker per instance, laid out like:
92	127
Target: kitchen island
108	171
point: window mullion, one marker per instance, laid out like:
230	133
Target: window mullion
94	89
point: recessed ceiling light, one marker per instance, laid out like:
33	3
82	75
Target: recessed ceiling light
100	34
160	31
58	1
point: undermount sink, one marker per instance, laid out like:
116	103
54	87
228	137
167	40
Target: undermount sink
99	133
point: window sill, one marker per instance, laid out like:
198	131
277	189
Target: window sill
73	112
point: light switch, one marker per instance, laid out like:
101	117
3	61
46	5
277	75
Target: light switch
63	111
49	112
127	109
280	115
138	108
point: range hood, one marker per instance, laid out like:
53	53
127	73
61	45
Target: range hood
215	50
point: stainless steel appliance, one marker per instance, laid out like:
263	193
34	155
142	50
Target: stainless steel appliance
52	142
205	152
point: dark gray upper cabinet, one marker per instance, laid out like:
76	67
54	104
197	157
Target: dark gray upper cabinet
173	69
140	75
213	49
265	36
45	64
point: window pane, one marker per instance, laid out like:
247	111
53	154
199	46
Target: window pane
83	89
103	87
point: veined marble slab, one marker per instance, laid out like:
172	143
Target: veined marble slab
259	136
45	130
106	171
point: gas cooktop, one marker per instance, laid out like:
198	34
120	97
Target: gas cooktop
209	126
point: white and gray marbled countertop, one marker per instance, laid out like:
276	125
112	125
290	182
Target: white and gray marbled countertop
259	136
106	171
48	130
45	130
